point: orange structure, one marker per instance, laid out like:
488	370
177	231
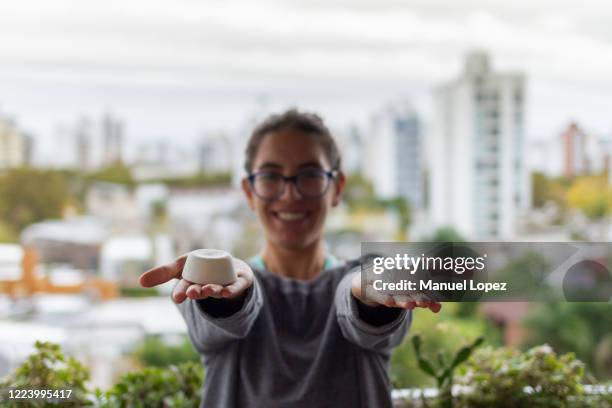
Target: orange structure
31	283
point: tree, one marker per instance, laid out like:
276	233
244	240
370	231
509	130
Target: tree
540	189
116	173
577	327
30	195
500	377
358	191
154	352
445	234
49	369
591	195
175	386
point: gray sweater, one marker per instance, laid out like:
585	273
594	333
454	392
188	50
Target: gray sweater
296	344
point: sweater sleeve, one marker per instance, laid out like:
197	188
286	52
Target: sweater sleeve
210	331
375	337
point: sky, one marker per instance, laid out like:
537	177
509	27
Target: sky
186	68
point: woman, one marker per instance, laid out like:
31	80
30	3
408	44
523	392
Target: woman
294	329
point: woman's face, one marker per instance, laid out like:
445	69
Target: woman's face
292	221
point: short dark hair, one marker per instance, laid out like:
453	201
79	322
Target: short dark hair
305	122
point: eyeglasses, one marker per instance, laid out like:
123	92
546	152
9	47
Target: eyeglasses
270	186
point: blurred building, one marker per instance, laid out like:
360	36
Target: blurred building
11	256
351	145
99	334
24	274
583	153
575	159
127	210
393	155
479	182
164	160
83	144
124	258
75	242
112	139
15	145
116	204
87	144
214	154
214	217
571	152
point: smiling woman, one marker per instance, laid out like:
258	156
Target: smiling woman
292	161
294	328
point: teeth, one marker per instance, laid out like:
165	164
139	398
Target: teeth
291	216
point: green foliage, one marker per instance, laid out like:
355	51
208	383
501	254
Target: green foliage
48	368
549	189
578	327
592	195
401	206
500	377
440	335
117	173
138	292
359	194
445	234
7	233
199	179
172	386
541	189
358	191
30	195
155	352
176	386
445	370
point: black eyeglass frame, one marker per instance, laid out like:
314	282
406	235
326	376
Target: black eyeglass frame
331	174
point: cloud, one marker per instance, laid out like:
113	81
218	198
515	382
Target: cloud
283	47
299	39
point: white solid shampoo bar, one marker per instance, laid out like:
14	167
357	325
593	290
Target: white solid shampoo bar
209	266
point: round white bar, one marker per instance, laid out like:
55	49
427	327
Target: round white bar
205	266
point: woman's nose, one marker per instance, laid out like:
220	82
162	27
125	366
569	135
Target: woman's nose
290	192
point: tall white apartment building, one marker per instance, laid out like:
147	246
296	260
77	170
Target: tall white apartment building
479	182
394	155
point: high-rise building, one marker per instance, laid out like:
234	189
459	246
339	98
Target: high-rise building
14	144
83	144
112	139
478	176
393	155
582	153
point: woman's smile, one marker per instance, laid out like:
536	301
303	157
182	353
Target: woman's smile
291	216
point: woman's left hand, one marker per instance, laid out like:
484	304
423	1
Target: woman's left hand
388	300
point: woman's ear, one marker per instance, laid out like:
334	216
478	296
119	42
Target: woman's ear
339	183
246	188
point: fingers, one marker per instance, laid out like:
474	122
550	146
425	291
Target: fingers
236	288
185	289
435	307
164	273
211	290
179	294
427	304
409	305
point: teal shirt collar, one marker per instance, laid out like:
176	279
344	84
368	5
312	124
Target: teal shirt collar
258	262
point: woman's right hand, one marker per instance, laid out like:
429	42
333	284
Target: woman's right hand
186	289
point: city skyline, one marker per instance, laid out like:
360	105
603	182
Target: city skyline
183	69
